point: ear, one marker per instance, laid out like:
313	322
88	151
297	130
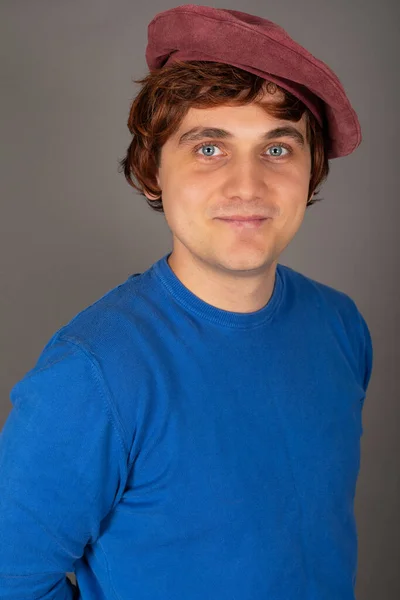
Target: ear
151	196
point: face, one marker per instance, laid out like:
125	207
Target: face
242	173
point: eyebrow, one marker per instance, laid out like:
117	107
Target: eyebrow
199	133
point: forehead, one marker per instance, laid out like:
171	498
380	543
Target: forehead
248	122
246	119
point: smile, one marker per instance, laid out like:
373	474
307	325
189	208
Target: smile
244	224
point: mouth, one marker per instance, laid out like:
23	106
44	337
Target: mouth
244	223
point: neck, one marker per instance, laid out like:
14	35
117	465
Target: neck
234	291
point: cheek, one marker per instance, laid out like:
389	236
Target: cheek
188	195
294	186
183	202
291	204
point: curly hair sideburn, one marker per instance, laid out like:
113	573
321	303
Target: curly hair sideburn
168	93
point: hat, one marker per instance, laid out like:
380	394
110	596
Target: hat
192	32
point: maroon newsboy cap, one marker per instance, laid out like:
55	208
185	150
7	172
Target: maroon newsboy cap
192	32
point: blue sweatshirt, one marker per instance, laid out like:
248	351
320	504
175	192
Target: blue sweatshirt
165	449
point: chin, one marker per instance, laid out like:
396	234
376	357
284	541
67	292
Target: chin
253	262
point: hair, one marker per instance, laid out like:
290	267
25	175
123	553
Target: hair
169	92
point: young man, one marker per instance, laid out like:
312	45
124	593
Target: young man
195	433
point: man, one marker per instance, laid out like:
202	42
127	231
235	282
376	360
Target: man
195	433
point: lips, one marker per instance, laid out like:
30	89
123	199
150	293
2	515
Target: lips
243	218
241	224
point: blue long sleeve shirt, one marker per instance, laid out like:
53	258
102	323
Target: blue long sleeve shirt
165	449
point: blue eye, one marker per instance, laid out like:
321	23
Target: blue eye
207	146
212	145
280	146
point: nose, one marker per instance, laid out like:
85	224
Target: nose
245	178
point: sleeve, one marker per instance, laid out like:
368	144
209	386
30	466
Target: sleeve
365	354
63	467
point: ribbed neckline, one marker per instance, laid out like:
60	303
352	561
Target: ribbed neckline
226	318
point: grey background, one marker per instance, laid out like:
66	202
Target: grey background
72	228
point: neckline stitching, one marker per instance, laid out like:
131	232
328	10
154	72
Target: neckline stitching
276	300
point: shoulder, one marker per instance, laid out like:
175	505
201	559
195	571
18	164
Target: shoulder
319	294
336	307
93	357
105	321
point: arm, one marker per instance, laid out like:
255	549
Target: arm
366	358
63	467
